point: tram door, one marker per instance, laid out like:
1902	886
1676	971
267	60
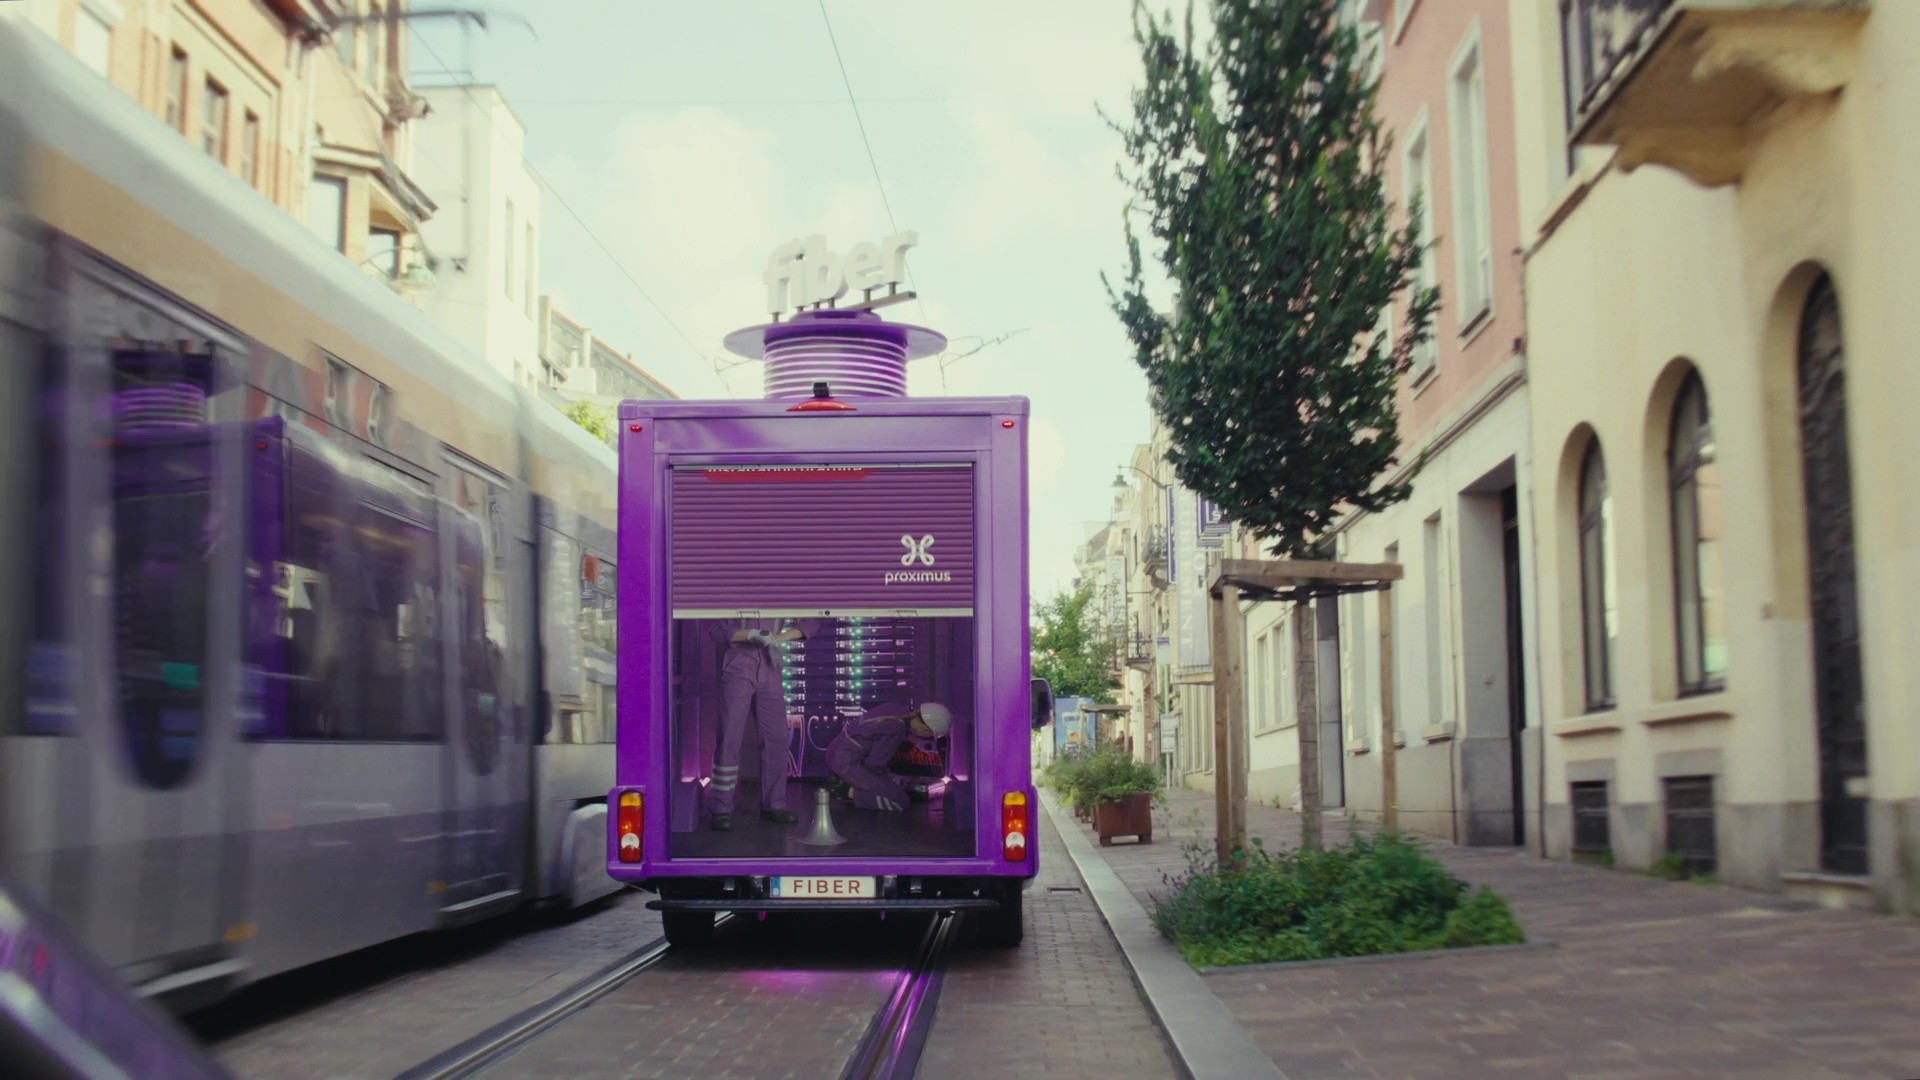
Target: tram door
151	466
488	760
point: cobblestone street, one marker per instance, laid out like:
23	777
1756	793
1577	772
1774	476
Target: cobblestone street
1641	978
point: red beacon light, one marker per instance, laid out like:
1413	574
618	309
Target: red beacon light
821	401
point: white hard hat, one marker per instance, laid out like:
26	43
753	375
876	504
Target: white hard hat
936	717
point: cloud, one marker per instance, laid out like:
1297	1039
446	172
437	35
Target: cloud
1006	173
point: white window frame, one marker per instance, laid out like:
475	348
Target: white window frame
509	243
528	254
337	241
107	14
1261	690
1418	175
1472	179
1402	15
1282	663
1434	603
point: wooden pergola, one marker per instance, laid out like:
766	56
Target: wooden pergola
1300	581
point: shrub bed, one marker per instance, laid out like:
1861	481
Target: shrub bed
1106	775
1373	895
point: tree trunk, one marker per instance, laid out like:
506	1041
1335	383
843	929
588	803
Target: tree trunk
1229	730
1389	775
1307	713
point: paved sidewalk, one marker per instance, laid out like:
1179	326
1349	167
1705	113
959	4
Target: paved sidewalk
1062	1005
1646	978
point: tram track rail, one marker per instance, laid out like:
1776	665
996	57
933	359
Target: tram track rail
889	1049
510	1035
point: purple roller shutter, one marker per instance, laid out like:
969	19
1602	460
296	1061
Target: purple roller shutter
808	540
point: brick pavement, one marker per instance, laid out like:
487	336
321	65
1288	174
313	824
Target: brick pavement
405	1002
1647	978
789	997
1063	1005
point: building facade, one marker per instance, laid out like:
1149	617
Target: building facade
1467	746
487	234
1729	566
306	101
576	367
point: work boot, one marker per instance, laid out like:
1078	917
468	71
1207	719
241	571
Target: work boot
784	817
722	823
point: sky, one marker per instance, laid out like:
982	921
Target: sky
692	139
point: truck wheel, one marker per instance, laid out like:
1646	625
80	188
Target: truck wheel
1004	927
688	929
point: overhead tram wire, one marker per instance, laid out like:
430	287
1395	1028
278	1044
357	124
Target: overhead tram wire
466	88
872	161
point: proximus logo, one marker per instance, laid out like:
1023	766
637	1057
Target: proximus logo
917	552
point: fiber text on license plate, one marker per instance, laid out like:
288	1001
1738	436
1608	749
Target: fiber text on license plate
823	887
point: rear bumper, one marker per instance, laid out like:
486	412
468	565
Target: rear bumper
876	904
969	892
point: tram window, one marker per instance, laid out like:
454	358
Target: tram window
399	669
479	615
577	627
359	605
52	660
597	635
160	554
165	528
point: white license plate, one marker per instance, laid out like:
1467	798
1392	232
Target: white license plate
818	887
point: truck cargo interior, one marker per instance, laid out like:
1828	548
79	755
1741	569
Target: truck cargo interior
821	677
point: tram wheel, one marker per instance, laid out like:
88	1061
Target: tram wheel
688	929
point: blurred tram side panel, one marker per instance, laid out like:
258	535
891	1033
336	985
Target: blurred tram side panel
307	613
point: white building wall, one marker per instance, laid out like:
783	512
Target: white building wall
471	158
1273	735
1450	634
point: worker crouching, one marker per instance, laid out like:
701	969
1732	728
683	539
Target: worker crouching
860	754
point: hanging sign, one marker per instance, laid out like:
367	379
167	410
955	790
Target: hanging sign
1214	525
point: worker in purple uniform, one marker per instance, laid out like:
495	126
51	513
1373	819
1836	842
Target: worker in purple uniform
750	686
860	754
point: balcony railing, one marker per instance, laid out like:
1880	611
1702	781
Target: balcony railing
1601	38
1153	550
1681	83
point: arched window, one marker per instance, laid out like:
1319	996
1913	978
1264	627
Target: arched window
1599	614
1694	487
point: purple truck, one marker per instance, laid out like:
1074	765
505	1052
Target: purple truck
823	607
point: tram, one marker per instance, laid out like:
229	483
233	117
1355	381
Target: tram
306	615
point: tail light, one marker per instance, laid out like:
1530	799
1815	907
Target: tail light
1014	826
628	819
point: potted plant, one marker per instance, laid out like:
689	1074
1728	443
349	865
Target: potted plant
1119	792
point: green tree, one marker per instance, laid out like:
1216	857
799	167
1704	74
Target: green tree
1257	160
597	420
1069	651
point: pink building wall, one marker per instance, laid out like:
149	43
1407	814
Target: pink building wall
1417	73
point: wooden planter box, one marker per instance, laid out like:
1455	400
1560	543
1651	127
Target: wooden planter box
1131	816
